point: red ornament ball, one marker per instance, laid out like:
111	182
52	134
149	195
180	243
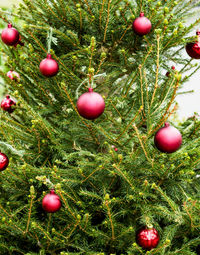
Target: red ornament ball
148	238
141	25
4	161
7	104
49	67
13	75
10	35
193	49
51	202
168	139
90	105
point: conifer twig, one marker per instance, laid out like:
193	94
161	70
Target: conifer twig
157	69
107	21
124	33
100	13
141	143
123	175
29	214
89	9
126	128
110	218
141	86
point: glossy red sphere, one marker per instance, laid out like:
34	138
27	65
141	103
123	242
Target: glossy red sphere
168	139
51	202
13	75
10	35
7	104
49	67
141	25
90	105
193	49
148	238
4	161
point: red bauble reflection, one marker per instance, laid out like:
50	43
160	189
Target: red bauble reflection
51	202
49	67
148	238
13	75
168	139
141	25
19	42
4	161
7	104
193	49
90	105
10	35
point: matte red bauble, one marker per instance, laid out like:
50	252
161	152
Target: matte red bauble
148	238
10	35
4	161
141	25
168	139
49	67
90	105
13	75
51	202
193	49
7	104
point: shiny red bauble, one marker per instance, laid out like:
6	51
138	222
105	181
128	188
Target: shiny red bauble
90	105
51	202
168	139
10	35
148	238
4	161
49	67
141	25
7	104
13	75
193	49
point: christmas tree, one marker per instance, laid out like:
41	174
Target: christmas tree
90	161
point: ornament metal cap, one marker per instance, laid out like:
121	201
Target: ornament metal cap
49	56
52	191
141	14
167	124
90	89
149	226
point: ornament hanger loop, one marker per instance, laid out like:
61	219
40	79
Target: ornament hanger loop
86	80
49	39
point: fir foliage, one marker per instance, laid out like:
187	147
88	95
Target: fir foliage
106	195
